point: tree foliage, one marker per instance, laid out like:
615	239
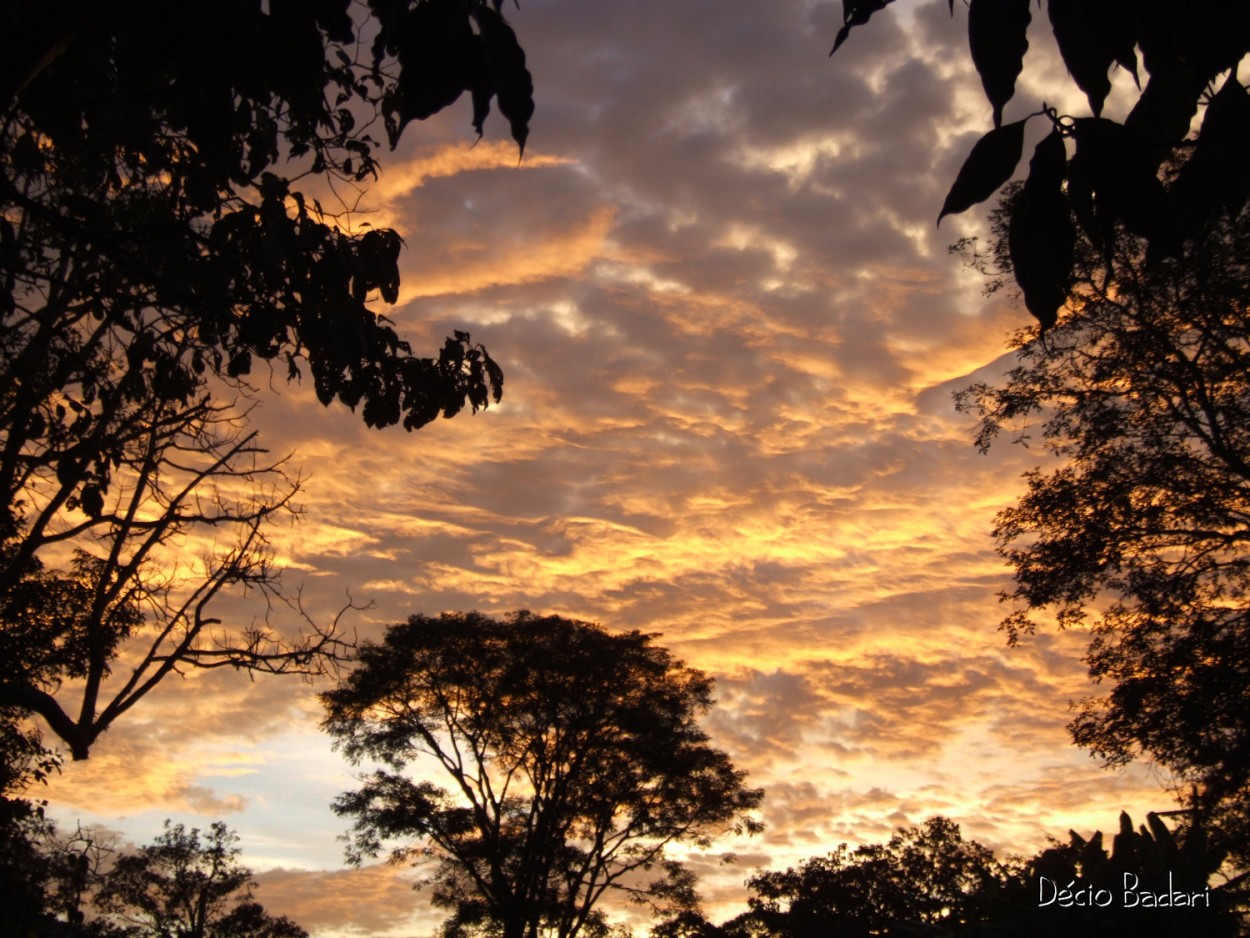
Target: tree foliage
156	250
922	877
1151	859
127	593
1143	389
931	881
1107	173
572	758
185	885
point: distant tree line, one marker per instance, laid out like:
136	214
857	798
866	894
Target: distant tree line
186	884
924	881
530	767
930	881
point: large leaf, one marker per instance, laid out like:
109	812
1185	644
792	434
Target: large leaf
1217	174
436	52
1087	51
997	37
1041	239
990	164
1118	24
1162	115
505	61
377	254
1124	184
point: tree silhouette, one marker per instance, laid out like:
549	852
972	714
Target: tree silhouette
572	758
930	881
1144	388
1111	180
155	250
179	468
22	872
1112	886
185	886
923	878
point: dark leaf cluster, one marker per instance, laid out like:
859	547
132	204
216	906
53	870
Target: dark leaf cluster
150	158
926	877
187	884
448	47
1151	858
1109	175
157	251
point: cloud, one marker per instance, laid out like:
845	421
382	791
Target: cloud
370	900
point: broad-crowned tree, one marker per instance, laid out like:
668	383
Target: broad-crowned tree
548	762
1105	172
1142	532
155	250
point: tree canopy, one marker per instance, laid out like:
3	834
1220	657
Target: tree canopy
185	885
554	762
925	877
929	880
1141	534
1102	172
156	250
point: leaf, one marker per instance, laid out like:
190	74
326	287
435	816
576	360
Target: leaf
334	18
91	500
240	364
378	254
1213	35
381	410
436	48
990	164
1081	200
1048	165
857	13
1162	115
1117	23
997	37
505	60
1124	184
1041	239
494	375
1217	174
481	88
68	471
1084	48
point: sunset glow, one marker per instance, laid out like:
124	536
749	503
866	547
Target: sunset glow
730	333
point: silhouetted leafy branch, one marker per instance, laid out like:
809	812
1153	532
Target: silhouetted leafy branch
155	251
1112	178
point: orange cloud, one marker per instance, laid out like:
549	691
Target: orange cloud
467	267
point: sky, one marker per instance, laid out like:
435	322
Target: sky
730	332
